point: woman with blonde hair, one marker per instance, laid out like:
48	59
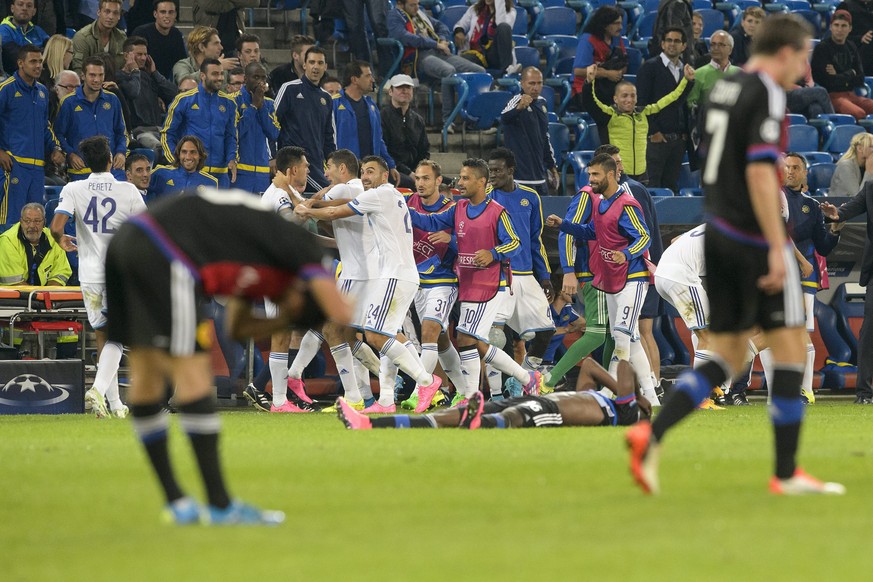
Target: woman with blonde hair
855	167
57	56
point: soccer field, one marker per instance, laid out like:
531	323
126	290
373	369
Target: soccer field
80	503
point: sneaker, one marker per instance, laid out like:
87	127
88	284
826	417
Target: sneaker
708	404
643	457
802	484
471	415
739	399
410	403
97	402
497	397
535	385
379	409
240	513
121	412
332	409
457	400
301	404
426	394
350	416
862	400
513	388
183	511
717	396
287	407
296	386
808	396
439	399
259	399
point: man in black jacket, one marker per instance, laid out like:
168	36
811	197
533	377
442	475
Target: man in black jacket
144	88
669	129
862	28
836	66
403	130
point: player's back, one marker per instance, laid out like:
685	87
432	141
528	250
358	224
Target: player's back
743	124
388	216
100	204
683	260
354	236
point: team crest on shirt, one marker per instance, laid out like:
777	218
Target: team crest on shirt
243	106
805	209
323	102
41	95
544	109
524	202
15	180
222	108
78	108
107	106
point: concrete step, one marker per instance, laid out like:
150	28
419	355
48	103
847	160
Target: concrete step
450	162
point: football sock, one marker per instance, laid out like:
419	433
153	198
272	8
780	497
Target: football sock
410	346
809	370
767	363
279	374
692	386
494	379
580	349
113	396
365	354
406	361
362	375
150	422
531	363
260	381
471	368
387	378
309	346
640	363
404	421
450	360
786	414
345	365
492	421
201	423
107	366
429	357
503	362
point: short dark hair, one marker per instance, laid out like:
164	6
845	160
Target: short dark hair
316	50
605	161
479	167
780	30
201	150
289	156
133	41
376	160
328	79
252	67
236	71
204	66
346	158
134	158
504	154
94	60
354	69
670	29
797	155
28	48
95	152
300	40
156	2
608	149
244	38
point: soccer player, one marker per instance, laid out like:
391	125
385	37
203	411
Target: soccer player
158	267
100	204
585	407
435	254
390	293
525	308
486	242
752	279
617	259
258	129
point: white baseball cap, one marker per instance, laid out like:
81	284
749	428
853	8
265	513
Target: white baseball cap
401	81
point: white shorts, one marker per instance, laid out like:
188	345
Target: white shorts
435	304
356	291
809	305
94	296
476	319
624	308
690	301
387	302
526	309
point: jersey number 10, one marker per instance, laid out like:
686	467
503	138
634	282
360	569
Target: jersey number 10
92	215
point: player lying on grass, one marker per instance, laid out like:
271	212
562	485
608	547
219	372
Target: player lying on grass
586	407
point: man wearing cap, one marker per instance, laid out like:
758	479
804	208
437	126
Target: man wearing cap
836	66
403	129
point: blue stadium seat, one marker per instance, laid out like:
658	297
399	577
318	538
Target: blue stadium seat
713	21
564	66
840	363
527	56
51	193
660	192
520	40
701	5
796	119
548	93
820	175
578	160
732	13
634	60
802	138
814	18
821	193
645	26
691	192
687	178
521	23
559	136
630	79
556	20
848	302
817	157
453	14
147	152
838	141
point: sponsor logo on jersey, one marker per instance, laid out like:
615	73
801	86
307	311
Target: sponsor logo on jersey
107	106
17	94
805	209
524	202
323	102
170	182
222	108
78	108
466	260
195	106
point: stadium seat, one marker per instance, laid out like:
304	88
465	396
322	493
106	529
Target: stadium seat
397	54
559	136
821	192
813	18
802	138
452	14
556	20
839	139
820	175
564	66
527	56
520	40
51	193
287	6
660	192
713	21
578	160
687	178
848	302
147	152
817	157
521	23
645	26
634	60
477	104
796	119
677	334
665	348
548	93
838	367
690	192
630	79
731	11
557	47
701	5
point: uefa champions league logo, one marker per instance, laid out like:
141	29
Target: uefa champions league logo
30	390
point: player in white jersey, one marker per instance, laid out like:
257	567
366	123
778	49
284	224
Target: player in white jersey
390	293
100	205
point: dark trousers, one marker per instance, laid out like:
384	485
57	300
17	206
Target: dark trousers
865	347
663	164
499	54
353	12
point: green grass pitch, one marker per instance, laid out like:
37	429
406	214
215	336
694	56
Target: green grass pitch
79	503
